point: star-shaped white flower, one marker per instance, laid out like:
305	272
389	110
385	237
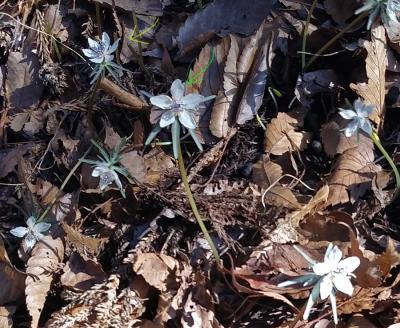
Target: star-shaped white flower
180	106
359	118
107	176
33	233
328	277
101	51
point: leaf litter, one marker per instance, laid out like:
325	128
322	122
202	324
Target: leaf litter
279	180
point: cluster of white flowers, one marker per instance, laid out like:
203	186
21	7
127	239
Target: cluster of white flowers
328	277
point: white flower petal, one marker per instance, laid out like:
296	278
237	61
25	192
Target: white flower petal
30	240
322	269
177	89
311	300
92	43
335	255
113	47
326	287
19	232
97	60
162	101
117	180
30	222
99	170
89	53
358	105
351	128
347	114
342	283
167	118
105	40
187	120
192	101
349	264
365	125
332	298
42	227
367	110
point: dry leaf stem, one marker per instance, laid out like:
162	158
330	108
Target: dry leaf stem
193	205
335	38
378	144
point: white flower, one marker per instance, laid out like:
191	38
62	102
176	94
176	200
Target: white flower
386	9
328	277
100	51
180	105
33	233
359	118
107	176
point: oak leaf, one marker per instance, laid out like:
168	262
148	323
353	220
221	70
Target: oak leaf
373	92
281	135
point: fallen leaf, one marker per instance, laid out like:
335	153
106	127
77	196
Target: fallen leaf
29	121
81	274
341	10
373	92
265	174
156	269
84	244
389	259
12	280
44	262
22	79
281	136
6	313
335	142
10	159
221	18
148	7
352	175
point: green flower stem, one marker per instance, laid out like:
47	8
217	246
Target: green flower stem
336	37
378	144
305	32
193	205
69	176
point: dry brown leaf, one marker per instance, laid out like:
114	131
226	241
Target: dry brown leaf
389	259
12	280
81	274
335	142
22	77
11	158
341	10
221	18
352	175
135	164
156	269
158	163
6	313
281	137
265	173
148	7
84	244
373	92
45	259
30	121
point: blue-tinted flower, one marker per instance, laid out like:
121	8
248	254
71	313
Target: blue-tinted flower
33	232
328	277
178	109
359	117
386	9
101	51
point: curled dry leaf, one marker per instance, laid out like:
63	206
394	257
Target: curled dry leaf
265	174
281	135
156	269
389	259
42	265
12	280
81	274
373	92
352	175
148	7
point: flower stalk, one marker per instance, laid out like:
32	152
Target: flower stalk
193	205
378	144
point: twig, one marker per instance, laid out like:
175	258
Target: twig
304	43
